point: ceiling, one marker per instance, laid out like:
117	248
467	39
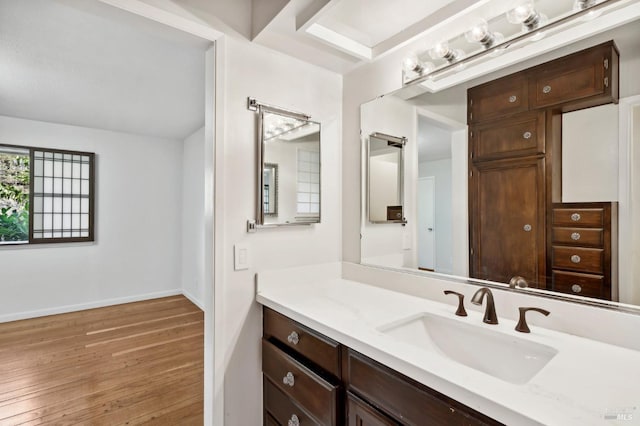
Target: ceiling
84	63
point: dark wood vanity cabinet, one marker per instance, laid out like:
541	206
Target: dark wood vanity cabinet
515	171
583	242
298	391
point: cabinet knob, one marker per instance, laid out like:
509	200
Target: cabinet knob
576	217
546	89
527	135
293	338
527	227
575	258
513	98
575	236
576	288
293	421
288	379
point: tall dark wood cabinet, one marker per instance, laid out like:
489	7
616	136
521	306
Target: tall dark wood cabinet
515	172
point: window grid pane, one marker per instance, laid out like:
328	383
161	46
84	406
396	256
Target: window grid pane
308	199
63	187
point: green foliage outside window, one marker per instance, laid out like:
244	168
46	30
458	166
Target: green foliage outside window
14	197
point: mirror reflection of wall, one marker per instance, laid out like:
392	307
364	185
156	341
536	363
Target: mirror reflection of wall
291	171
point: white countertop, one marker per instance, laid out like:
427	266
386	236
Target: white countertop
586	381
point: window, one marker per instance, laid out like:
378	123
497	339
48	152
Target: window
308	183
47	195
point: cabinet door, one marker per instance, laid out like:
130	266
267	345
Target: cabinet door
584	75
498	98
518	136
507	220
362	414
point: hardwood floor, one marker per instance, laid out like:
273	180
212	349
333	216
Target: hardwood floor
132	364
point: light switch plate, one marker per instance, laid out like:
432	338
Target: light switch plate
240	257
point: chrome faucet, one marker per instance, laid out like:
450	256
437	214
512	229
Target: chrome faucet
490	316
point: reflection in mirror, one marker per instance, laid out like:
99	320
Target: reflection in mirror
270	189
544	191
385	178
289	168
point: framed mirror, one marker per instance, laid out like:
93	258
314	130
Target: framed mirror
289	172
465	177
385	178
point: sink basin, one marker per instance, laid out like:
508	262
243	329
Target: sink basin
509	358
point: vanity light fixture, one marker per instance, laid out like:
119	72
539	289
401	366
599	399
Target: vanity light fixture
442	50
480	33
580	5
412	65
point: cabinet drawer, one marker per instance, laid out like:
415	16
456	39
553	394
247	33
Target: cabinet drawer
578	259
517	136
282	408
310	391
574	78
579	236
498	98
579	284
319	349
269	421
578	217
412	404
359	413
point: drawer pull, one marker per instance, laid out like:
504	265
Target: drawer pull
575	236
527	227
576	288
546	89
293	338
293	421
513	98
527	135
576	217
575	258
289	379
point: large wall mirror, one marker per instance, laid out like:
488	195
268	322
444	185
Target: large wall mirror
288	167
548	193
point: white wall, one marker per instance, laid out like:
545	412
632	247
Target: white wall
250	70
441	170
590	155
193	221
137	251
632	289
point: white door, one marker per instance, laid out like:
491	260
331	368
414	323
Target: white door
426	223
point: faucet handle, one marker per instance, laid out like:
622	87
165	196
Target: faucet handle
460	311
522	326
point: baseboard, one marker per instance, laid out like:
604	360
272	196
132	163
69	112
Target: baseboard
91	305
193	299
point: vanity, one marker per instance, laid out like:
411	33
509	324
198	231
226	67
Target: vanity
337	351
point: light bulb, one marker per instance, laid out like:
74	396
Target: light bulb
480	33
440	50
580	5
412	64
521	13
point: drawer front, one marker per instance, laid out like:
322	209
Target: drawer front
578	236
283	409
359	413
401	400
592	218
579	284
518	136
579	259
299	383
499	98
270	421
314	346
